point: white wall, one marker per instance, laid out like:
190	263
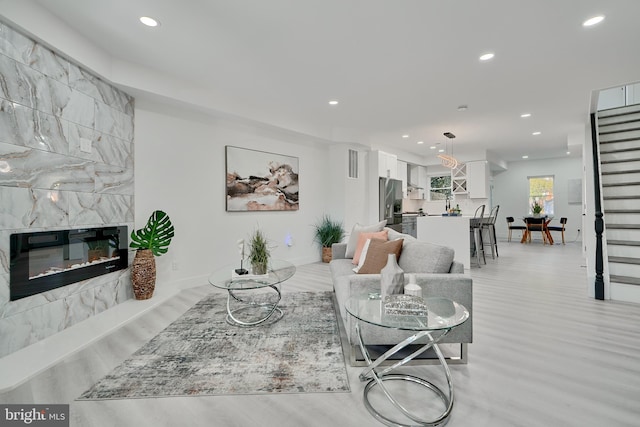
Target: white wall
511	192
180	168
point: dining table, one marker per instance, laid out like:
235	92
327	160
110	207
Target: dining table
545	229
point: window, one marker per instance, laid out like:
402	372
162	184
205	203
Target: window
541	193
440	187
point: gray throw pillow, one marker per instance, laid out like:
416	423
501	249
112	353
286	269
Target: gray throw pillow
352	244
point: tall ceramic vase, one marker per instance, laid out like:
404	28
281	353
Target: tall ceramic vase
143	274
391	277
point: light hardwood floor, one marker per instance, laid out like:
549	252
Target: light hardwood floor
544	354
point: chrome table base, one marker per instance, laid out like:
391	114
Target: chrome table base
378	378
269	310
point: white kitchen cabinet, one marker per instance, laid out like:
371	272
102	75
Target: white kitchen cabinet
387	165
478	179
402	175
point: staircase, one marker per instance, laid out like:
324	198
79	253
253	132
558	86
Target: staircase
619	135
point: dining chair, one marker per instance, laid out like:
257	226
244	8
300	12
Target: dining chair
489	226
475	228
563	222
512	227
536	224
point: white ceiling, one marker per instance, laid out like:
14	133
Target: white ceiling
397	67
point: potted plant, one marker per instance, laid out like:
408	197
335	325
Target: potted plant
536	208
258	253
152	240
328	232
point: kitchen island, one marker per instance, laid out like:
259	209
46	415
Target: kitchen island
452	231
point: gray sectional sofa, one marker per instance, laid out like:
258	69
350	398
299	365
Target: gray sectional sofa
435	271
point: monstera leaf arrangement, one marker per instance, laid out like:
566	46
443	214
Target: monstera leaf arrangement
152	240
156	235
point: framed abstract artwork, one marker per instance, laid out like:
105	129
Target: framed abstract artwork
260	181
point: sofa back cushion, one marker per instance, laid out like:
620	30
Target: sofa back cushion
378	255
423	257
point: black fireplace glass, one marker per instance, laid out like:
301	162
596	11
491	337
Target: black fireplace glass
41	261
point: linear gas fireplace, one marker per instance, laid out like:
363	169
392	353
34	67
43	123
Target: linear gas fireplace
46	260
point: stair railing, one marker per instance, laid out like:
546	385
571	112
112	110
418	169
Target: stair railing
599	221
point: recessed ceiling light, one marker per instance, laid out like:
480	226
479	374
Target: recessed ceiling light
486	56
333	102
525	115
593	21
441	151
405	136
536	133
568	152
149	22
525	157
433	147
420	142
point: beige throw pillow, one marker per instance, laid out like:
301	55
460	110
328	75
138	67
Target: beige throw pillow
381	235
378	254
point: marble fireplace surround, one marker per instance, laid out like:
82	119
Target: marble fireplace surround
66	162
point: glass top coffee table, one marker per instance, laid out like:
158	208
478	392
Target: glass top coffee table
246	305
432	318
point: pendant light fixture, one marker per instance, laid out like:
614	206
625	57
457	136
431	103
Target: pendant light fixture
446	159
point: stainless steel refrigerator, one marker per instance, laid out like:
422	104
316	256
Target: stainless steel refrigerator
390	202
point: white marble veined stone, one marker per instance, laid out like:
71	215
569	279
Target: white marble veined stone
24	50
12	308
78	307
104	148
15	45
113	179
91	85
75	134
20	84
47	105
115	151
50	208
31	326
21	125
80	109
40	169
105	297
48	63
4	292
124	288
16	208
113	122
91	208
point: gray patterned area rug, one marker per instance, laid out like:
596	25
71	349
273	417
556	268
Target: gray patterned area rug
200	354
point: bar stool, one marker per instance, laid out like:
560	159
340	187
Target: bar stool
475	228
489	226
